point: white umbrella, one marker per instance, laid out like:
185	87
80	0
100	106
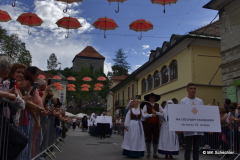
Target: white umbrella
81	115
70	114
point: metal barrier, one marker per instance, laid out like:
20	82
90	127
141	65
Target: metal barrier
26	141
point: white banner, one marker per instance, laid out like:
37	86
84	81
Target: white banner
199	118
104	119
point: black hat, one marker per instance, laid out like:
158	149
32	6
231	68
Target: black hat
157	97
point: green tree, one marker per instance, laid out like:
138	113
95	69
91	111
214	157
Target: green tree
121	66
52	62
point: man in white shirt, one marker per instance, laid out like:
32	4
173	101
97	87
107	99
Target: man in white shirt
192	138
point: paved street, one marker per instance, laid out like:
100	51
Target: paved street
82	146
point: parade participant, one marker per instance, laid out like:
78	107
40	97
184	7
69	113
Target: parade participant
151	112
74	123
84	124
192	138
103	127
168	141
134	141
88	123
130	105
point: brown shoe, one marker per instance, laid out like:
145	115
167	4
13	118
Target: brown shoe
148	156
156	157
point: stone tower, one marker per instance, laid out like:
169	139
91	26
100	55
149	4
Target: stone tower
88	57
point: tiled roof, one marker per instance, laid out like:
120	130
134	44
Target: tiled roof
89	51
209	30
120	78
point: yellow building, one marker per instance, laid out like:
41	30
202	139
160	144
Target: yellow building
189	58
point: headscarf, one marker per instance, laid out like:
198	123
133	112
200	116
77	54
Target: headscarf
165	110
92	116
129	104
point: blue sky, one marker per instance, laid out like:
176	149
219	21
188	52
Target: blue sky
180	18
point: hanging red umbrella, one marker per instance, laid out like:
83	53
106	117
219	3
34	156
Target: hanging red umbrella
121	1
4	16
59	88
97	89
141	25
56	84
164	2
69	2
71	79
105	24
29	19
71	85
71	89
101	78
98	85
40	76
68	23
84	89
85	86
86	79
56	77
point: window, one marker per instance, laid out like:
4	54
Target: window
62	97
123	98
156	79
175	101
163	104
164	75
128	93
158	53
151	58
144	86
150	82
173	70
133	91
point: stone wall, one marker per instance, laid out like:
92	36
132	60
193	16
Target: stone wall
79	62
230	33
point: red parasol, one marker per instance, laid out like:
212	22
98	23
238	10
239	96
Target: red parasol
71	89
141	25
59	88
101	78
71	79
105	24
40	76
4	16
56	84
71	85
97	89
29	19
68	23
121	1
164	2
84	89
56	77
85	86
69	2
86	79
98	85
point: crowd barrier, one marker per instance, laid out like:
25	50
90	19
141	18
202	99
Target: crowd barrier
118	129
39	141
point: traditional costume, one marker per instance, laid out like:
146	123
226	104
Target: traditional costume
134	143
168	141
152	124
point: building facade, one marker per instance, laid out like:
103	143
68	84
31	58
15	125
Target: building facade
88	57
229	14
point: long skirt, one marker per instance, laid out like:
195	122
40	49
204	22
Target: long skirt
74	125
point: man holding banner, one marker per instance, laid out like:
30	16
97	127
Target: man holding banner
192	138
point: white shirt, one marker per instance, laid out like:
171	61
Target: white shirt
189	101
146	115
231	115
74	120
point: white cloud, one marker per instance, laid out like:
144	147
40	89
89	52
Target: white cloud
148	55
137	66
107	67
145	46
143	53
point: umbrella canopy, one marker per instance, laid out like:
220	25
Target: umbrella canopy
141	25
56	84
71	85
69	2
86	79
101	78
40	76
97	89
85	86
71	79
71	89
56	77
81	115
98	85
59	88
4	16
119	1
84	89
68	23
105	24
29	19
164	2
69	114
